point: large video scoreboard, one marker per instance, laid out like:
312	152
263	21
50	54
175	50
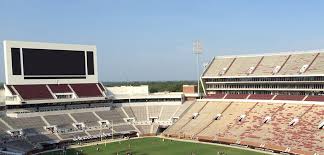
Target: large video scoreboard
49	63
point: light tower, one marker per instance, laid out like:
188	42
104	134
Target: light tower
197	49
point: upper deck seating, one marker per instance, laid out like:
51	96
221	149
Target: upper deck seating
314	98
241	66
317	66
87	90
217	66
261	96
33	92
60	88
296	62
268	64
236	96
289	97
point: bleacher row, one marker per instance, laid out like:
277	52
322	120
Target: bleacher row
47	91
281	64
35	131
267	97
281	127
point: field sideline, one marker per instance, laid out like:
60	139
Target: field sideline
155	146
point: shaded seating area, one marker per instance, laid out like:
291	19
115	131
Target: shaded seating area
88	118
123	128
72	135
3	130
31	125
113	116
61	121
99	132
42	138
20	145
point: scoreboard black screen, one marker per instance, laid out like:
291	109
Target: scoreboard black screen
39	62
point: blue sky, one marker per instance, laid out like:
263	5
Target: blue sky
152	39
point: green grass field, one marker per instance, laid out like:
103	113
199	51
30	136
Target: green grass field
155	146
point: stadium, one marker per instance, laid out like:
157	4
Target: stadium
252	104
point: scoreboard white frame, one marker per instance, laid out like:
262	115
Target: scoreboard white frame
20	80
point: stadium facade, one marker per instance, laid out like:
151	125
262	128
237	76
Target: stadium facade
271	102
52	98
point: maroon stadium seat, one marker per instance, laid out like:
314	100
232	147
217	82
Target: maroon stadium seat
86	90
33	92
289	97
315	98
60	88
216	96
236	96
261	96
